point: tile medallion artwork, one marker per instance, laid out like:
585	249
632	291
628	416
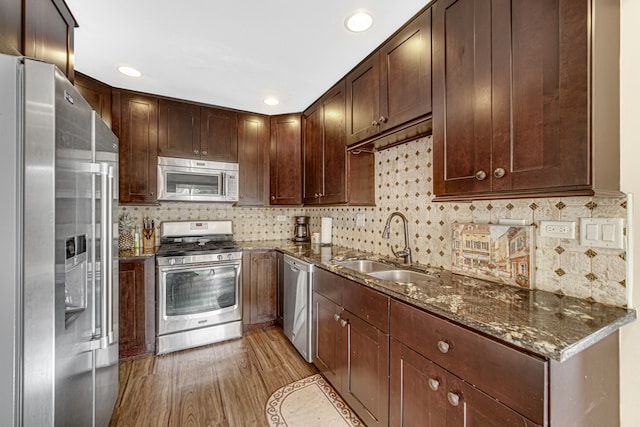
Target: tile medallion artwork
500	253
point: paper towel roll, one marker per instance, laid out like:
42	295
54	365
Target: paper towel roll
325	231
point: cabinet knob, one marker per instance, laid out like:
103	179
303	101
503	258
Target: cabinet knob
382	119
316	195
499	173
196	151
336	317
152	194
343	323
443	346
453	398
434	384
374	123
481	175
273	197
204	153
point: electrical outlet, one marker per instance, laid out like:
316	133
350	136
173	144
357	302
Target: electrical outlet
561	229
282	218
360	219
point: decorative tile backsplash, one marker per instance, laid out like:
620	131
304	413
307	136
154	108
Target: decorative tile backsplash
404	183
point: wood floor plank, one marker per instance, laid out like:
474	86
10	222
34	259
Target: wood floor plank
220	385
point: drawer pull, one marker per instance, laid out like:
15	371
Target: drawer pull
336	317
434	384
443	347
453	398
343	323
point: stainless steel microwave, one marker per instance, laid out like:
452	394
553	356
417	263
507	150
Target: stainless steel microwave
197	180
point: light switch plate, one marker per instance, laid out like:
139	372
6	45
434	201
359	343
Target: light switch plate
602	232
282	218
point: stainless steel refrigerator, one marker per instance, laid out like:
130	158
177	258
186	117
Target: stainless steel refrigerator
58	259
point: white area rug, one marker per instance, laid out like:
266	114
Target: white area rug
309	402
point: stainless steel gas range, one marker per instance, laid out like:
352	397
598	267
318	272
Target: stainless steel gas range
198	276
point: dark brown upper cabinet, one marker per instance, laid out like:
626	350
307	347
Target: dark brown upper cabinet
135	122
96	93
325	166
179	129
392	87
253	159
191	131
285	160
218	135
48	33
511	99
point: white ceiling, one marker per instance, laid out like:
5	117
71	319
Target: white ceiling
230	53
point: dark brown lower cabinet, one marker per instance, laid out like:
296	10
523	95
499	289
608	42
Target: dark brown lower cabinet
136	307
350	348
422	394
259	288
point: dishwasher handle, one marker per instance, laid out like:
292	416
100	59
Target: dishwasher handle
297	265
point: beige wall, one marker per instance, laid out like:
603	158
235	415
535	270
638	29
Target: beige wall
630	181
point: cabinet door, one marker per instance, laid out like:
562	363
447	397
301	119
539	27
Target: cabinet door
313	156
417	389
469	407
135	122
542	48
132	308
365	385
285	167
97	94
461	96
219	135
405	74
263	286
327	355
48	33
363	93
179	130
334	171
253	159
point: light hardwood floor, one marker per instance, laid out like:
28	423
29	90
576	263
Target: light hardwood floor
225	384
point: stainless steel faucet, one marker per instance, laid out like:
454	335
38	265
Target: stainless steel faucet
406	252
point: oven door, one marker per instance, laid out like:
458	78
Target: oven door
198	295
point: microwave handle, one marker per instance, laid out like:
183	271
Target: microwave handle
223	183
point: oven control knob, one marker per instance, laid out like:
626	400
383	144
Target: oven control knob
184	260
230	257
172	261
220	257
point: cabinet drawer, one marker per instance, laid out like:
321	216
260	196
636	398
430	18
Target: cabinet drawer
514	378
367	304
329	285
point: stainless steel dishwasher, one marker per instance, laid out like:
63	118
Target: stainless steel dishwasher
296	319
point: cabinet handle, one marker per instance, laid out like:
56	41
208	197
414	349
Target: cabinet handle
374	123
453	398
204	153
481	175
343	323
336	317
434	384
196	151
499	173
443	347
382	119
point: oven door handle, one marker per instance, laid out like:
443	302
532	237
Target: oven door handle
191	267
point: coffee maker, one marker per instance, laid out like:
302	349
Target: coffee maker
301	229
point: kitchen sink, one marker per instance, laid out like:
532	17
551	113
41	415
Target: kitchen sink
405	276
365	266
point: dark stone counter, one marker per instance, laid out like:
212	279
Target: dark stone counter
553	326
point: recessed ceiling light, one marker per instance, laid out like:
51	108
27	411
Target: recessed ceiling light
271	101
359	21
129	71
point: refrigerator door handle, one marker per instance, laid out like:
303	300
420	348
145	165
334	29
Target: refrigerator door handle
110	184
105	245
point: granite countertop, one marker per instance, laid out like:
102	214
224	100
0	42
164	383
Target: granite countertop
553	326
126	255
